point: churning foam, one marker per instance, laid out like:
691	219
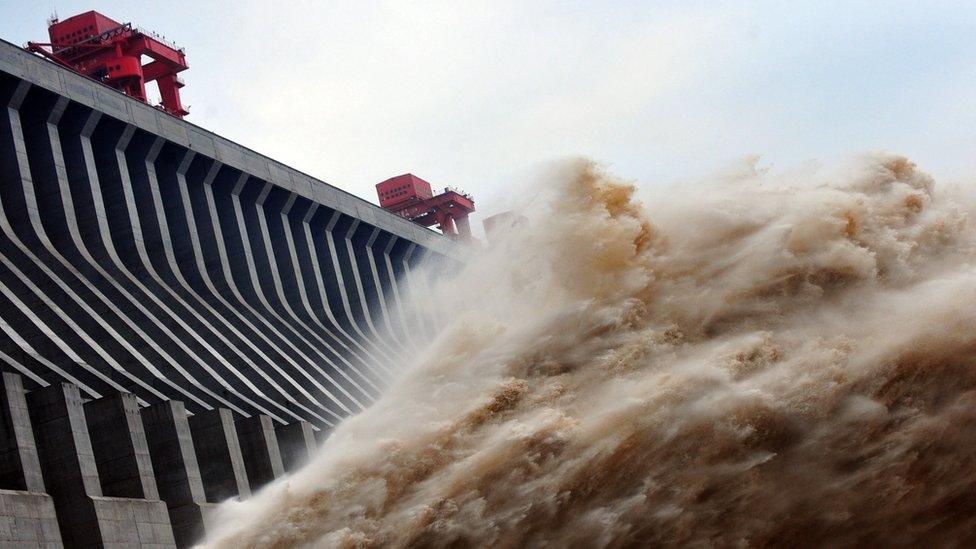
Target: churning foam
767	361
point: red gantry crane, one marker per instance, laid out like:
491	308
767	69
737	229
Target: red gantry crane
409	196
111	52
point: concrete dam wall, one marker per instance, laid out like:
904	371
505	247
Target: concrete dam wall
149	267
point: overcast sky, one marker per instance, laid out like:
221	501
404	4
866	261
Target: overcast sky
476	94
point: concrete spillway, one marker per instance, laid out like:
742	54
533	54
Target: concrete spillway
142	255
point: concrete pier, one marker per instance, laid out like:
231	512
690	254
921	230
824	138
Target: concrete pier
259	446
321	436
219	455
86	517
297	444
108	472
121	450
20	468
28	521
177	472
27	516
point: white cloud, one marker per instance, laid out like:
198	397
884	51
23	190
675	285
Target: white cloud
475	93
459	93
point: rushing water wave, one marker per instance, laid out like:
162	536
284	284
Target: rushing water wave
767	362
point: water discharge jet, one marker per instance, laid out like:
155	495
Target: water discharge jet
783	363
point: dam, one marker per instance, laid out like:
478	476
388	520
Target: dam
181	318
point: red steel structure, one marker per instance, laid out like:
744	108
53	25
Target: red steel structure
111	52
411	197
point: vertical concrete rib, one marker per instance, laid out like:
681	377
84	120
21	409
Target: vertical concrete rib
27	515
225	271
384	283
288	256
370	289
17	176
296	443
350	256
409	295
335	399
92	319
303	287
177	471
251	273
86	518
168	263
326	295
120	446
396	279
67	459
375	344
259	446
146	266
118	272
201	329
221	258
219	455
377	254
20	468
89	263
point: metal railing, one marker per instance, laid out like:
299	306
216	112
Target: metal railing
156	36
